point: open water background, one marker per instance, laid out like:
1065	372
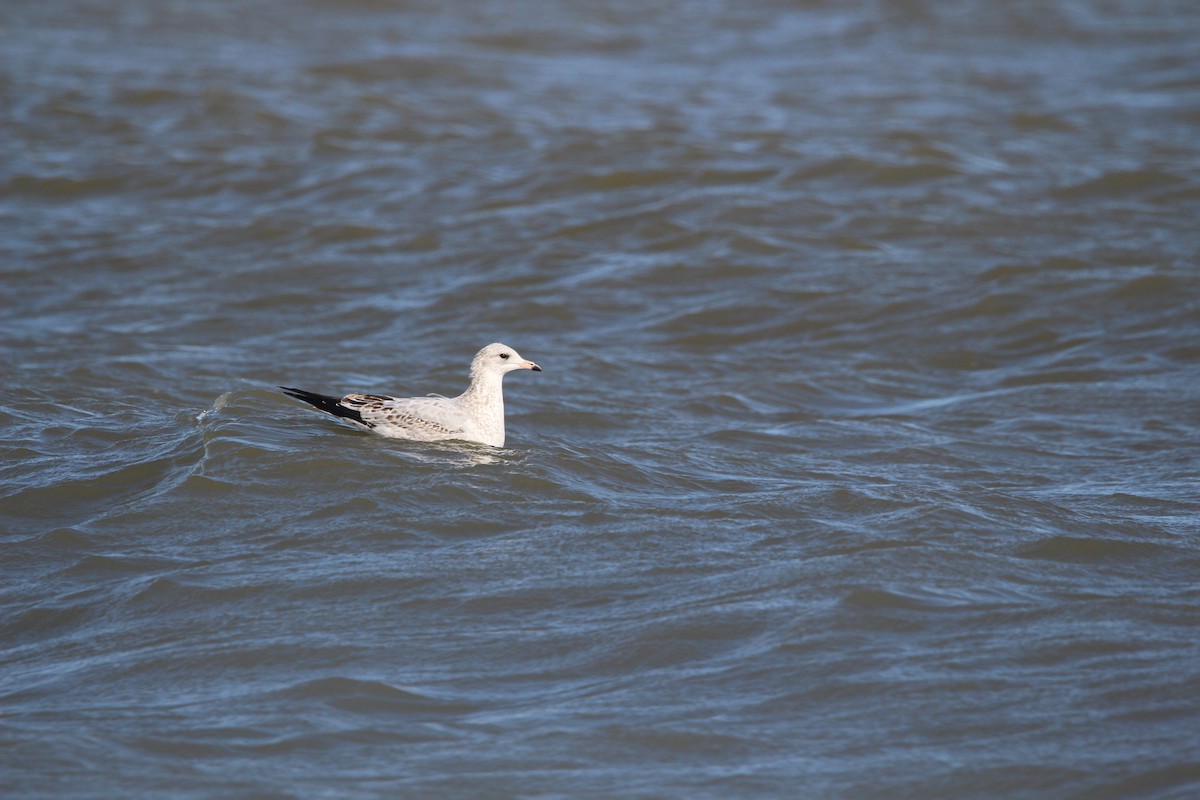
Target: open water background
864	463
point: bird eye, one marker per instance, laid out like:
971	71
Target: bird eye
504	355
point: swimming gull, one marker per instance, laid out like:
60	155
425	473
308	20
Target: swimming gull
476	415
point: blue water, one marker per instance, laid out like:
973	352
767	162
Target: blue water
863	462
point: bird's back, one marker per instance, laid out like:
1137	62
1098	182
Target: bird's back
425	419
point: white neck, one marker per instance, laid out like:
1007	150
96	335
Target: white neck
485	397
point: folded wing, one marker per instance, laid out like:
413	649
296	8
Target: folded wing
421	418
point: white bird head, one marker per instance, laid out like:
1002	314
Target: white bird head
498	359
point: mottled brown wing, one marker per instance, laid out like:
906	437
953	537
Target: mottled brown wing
418	417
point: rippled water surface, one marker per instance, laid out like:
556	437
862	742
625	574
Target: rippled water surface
864	463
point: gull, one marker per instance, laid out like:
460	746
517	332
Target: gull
476	415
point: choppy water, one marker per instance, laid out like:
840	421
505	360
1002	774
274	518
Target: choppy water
864	462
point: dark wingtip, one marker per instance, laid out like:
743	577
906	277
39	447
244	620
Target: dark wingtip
330	405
